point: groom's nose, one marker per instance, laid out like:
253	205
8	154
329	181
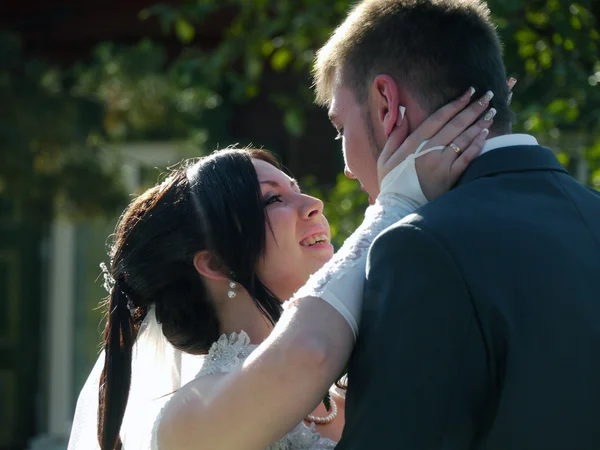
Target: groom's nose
349	174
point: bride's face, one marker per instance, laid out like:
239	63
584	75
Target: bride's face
299	242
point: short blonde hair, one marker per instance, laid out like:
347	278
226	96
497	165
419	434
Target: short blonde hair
434	48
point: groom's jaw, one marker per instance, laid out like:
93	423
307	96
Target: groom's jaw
371	201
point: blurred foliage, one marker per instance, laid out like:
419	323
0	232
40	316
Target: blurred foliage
551	47
140	93
127	93
59	127
47	158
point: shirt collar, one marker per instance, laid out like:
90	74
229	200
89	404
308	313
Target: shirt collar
508	140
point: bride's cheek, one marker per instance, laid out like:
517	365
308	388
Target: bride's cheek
282	227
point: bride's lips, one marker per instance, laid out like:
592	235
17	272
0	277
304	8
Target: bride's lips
317	234
320	246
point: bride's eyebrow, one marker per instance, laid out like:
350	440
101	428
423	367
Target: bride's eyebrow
293	183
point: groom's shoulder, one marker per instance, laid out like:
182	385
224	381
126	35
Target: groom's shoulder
452	216
454	207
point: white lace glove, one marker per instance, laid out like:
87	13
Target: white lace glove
340	281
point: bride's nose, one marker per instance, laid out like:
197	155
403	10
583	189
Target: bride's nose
311	206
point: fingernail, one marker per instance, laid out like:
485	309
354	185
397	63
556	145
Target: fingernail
490	114
402	110
483	101
485	132
509	98
512	82
467	95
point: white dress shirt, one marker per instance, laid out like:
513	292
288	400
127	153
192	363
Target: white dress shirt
508	140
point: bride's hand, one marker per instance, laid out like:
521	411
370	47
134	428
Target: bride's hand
451	127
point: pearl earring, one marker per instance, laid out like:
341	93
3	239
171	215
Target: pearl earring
232	285
231	292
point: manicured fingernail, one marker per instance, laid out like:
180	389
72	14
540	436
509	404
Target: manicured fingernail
490	114
509	98
402	110
512	82
467	95
485	132
483	101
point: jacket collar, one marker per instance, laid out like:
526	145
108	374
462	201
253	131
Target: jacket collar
518	158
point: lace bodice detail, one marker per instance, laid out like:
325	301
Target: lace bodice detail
303	437
228	353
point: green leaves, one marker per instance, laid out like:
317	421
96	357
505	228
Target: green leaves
294	122
54	120
281	58
46	127
184	30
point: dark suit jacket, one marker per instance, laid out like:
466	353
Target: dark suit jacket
481	317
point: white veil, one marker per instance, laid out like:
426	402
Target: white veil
158	370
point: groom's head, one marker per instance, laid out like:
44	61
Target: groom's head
416	53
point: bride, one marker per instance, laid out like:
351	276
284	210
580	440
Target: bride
199	268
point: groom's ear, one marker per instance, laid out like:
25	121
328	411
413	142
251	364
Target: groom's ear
385	101
209	265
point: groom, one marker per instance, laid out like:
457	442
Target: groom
481	313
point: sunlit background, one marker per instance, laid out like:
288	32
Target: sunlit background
98	98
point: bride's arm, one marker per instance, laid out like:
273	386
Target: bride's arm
288	375
281	382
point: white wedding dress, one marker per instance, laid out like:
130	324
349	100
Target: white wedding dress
339	282
228	353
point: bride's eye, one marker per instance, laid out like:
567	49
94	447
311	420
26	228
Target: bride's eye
340	134
272	199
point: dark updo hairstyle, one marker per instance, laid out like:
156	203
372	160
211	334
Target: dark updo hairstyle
212	204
